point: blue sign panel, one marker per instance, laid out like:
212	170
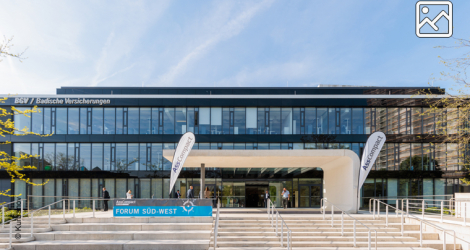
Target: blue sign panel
150	211
162	207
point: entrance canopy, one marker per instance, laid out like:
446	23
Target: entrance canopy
340	167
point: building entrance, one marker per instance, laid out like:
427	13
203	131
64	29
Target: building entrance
255	195
310	195
197	190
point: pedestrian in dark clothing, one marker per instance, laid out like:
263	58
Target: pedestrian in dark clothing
105	199
266	198
177	194
190	192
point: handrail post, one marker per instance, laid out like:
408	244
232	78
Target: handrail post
369	240
442	212
282	234
378	209
342	223
323	208
93	208
32	221
386	216
422	207
73	208
267	206
396	209
401	221
407	207
444	240
49	216
11	232
21	201
63	207
421	234
373	211
354	232
465	214
3	215
332	211
454	240
277	218
375	239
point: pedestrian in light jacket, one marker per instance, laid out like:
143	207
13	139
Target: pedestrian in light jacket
190	193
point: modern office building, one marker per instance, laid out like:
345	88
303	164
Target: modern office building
114	137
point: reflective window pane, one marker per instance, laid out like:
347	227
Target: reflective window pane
74	121
97	157
155	121
322	119
61	121
83	120
85	156
357	121
119	121
97	121
169	121
251	121
275	121
190	120
204	120
133	156
47	120
61	160
109	121
145	121
286	121
261	121
216	120
310	121
180	116
121	156
133	121
37	121
345	125
239	125
296	121
22	121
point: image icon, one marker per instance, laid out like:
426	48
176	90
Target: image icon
434	19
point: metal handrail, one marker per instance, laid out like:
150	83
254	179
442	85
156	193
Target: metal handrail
3	209
324	200
270	207
32	218
444	231
216	226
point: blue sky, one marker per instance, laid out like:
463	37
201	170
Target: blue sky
220	43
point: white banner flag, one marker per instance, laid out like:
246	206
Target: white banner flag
371	151
185	145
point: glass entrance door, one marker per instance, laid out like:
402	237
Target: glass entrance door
197	189
310	195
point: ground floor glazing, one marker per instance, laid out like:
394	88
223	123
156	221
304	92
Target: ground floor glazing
238	193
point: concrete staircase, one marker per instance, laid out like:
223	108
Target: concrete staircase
113	233
312	232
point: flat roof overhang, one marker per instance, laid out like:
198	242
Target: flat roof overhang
340	167
259	158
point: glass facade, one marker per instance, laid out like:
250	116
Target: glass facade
124	140
237	120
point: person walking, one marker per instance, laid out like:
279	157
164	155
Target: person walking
207	193
285	197
105	199
266	198
190	193
177	194
129	194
